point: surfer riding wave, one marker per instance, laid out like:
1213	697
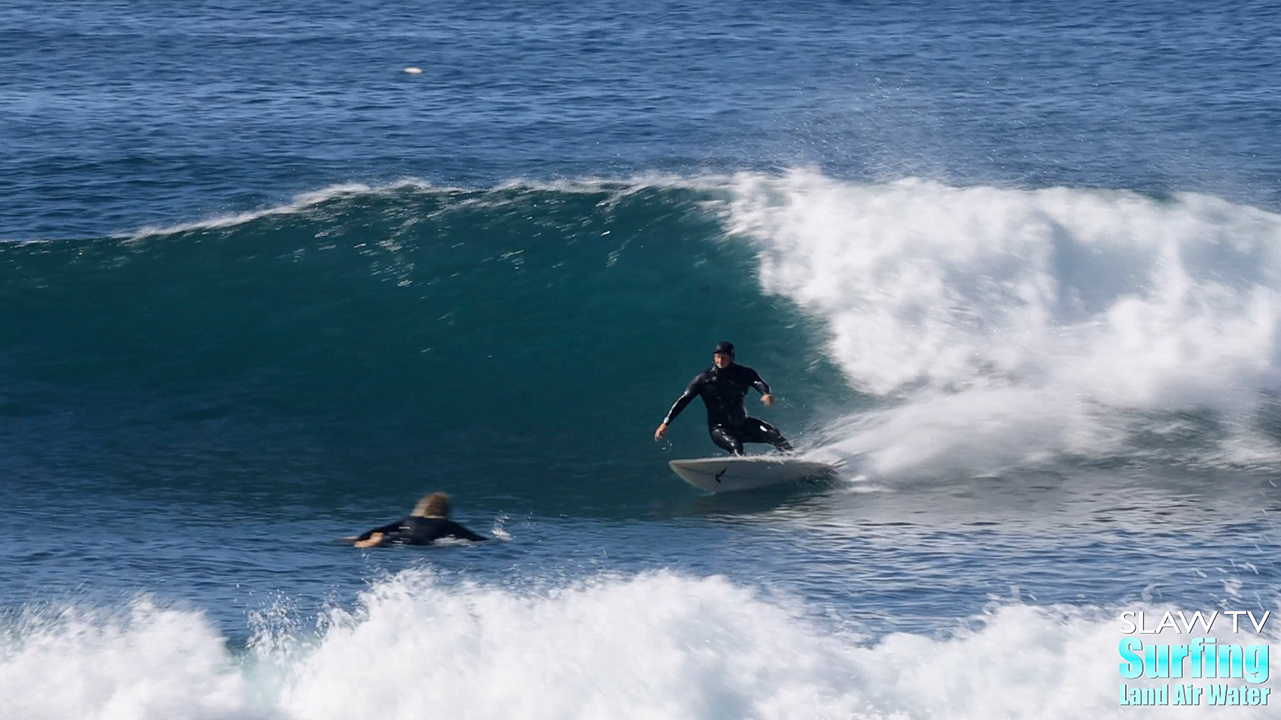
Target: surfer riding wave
723	388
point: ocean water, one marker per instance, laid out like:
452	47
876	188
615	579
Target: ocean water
1016	267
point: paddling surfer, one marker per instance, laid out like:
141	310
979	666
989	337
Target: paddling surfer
723	388
428	523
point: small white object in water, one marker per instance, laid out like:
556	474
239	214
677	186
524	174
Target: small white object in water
411	70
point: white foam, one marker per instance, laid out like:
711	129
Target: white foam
1032	320
653	646
145	663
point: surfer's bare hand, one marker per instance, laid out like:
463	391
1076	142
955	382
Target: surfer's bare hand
373	541
660	432
768	400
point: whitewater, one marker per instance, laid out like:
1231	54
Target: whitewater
652	646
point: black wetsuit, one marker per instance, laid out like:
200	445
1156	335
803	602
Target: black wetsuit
415	530
723	391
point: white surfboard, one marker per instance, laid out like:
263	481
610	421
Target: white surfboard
728	473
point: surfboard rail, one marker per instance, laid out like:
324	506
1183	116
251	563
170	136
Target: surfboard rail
729	473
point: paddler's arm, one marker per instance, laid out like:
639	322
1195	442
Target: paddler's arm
463	533
368	539
686	398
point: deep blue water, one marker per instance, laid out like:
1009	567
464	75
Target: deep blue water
1017	267
118	115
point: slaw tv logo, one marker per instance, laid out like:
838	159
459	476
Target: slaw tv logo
1222	672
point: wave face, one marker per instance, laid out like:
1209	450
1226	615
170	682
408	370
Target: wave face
656	645
414	331
392	334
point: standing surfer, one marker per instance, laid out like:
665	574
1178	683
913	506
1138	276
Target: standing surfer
723	388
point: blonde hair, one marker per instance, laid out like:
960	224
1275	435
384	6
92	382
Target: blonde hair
435	505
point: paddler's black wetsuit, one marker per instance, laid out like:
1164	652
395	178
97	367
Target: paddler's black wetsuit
415	530
723	391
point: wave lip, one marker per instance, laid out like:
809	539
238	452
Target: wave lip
298	204
512	190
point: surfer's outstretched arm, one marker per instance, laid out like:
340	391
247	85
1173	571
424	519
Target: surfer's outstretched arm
463	533
685	399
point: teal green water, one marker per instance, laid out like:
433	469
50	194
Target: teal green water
490	342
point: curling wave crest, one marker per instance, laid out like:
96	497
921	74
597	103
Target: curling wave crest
1012	325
